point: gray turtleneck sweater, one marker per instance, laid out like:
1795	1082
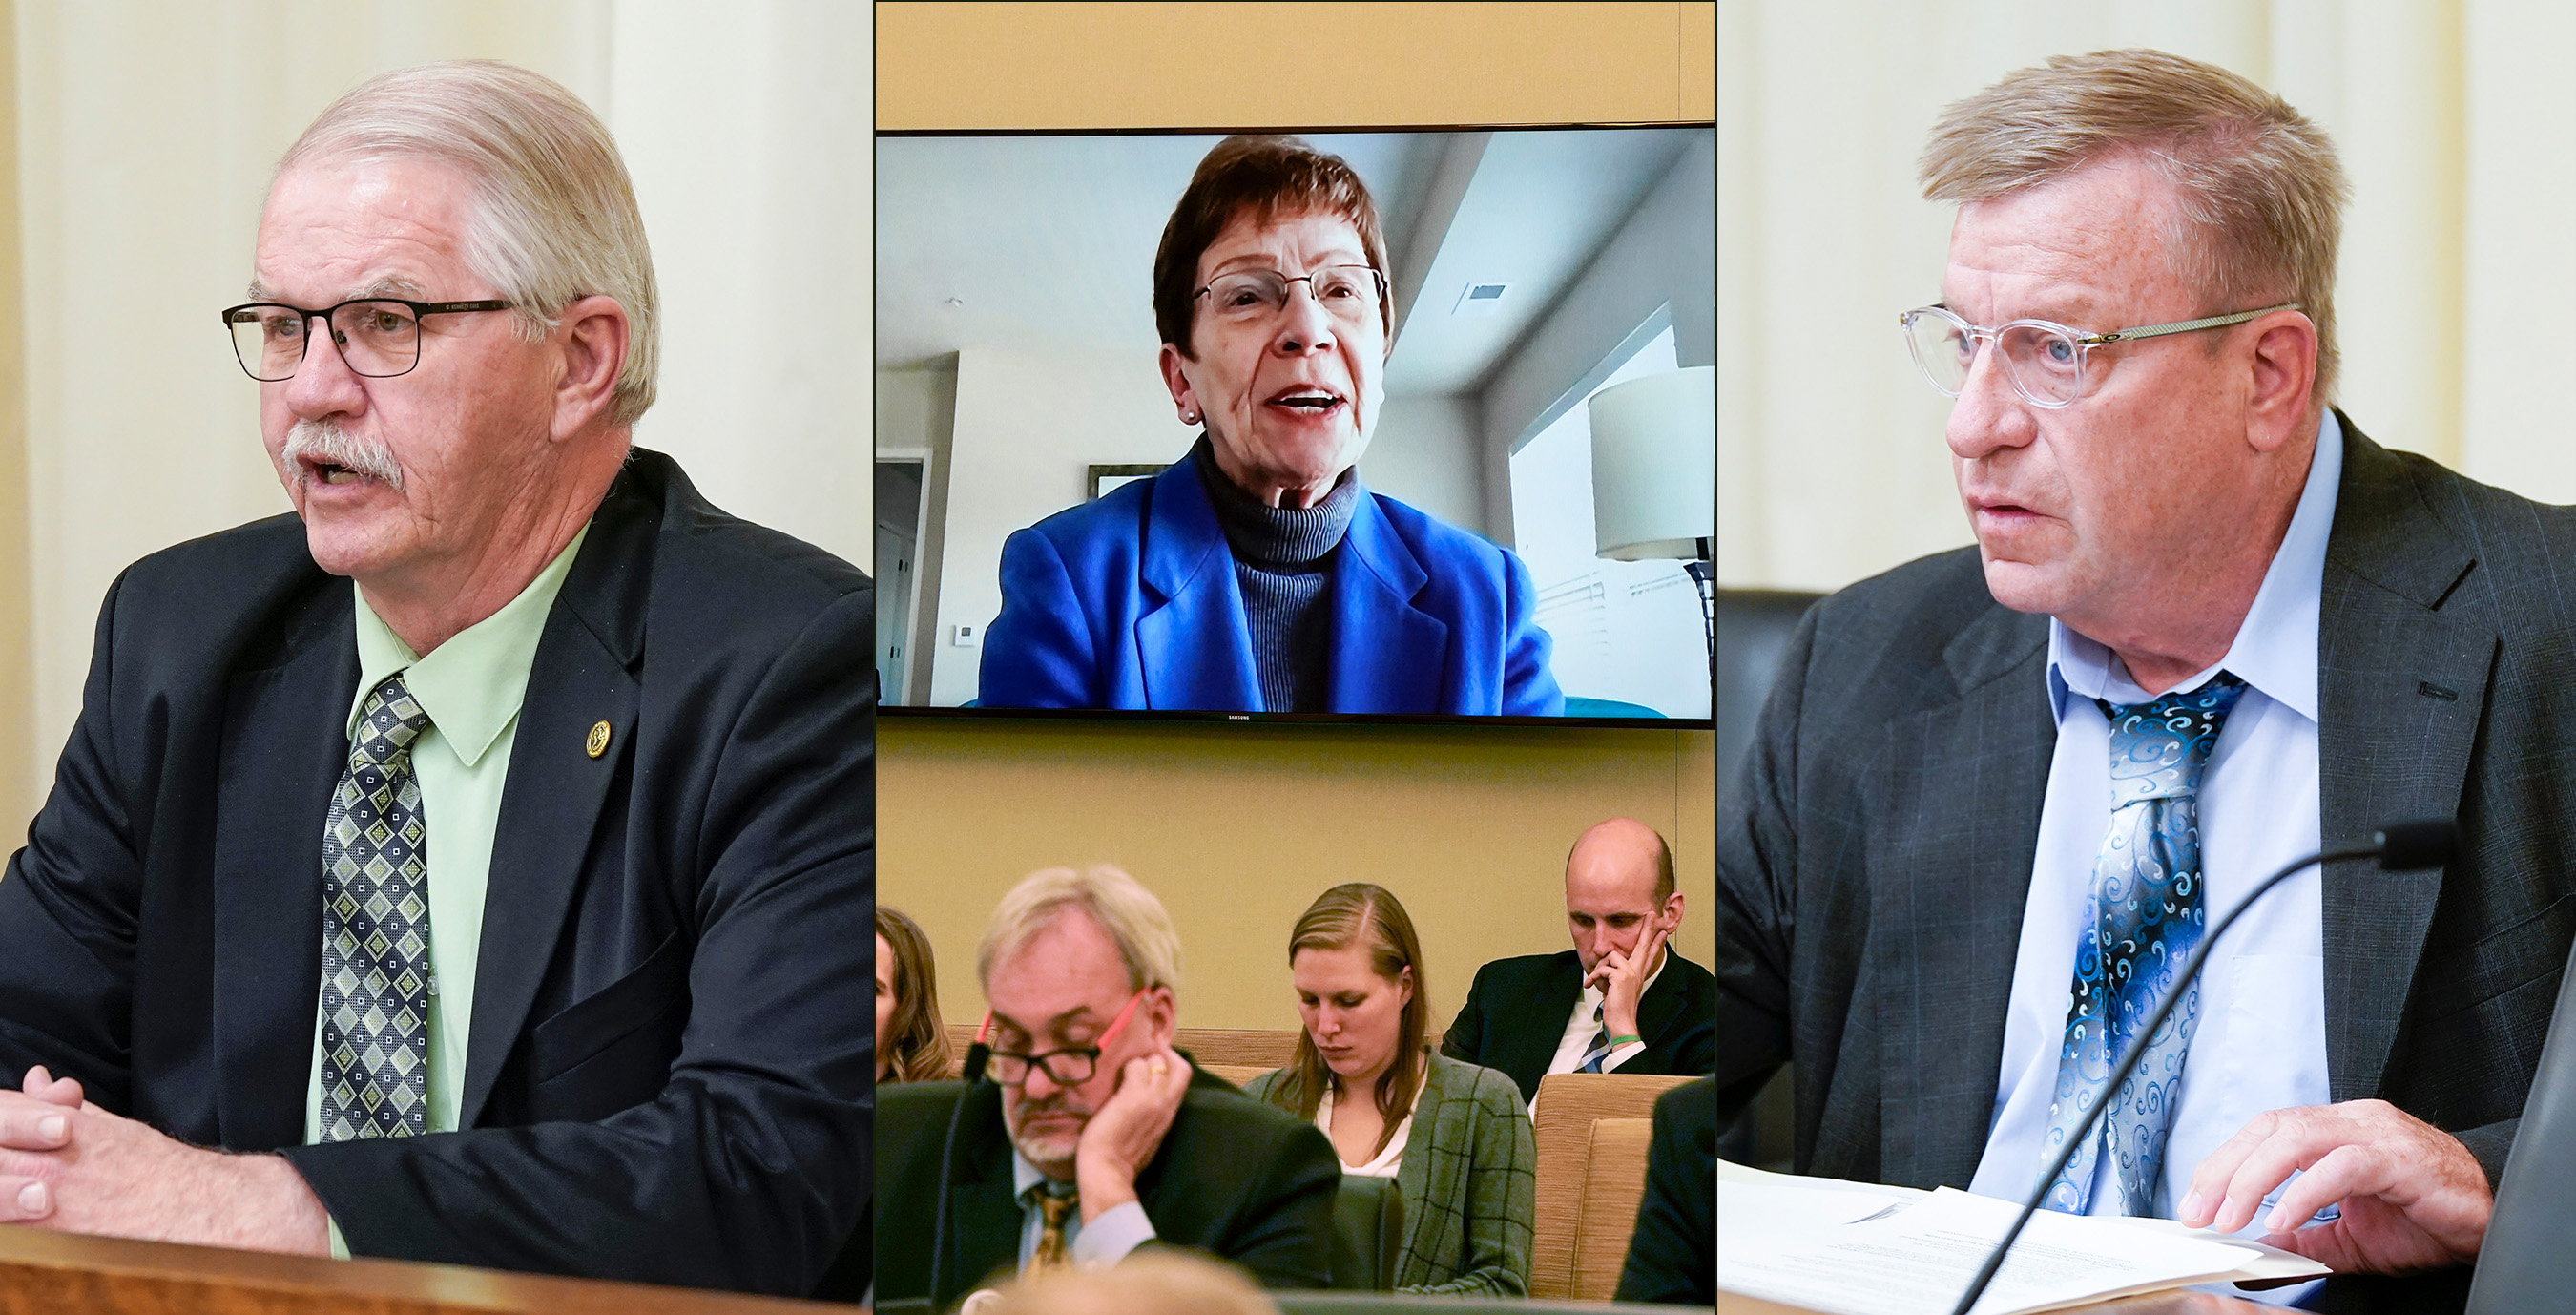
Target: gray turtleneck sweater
1282	561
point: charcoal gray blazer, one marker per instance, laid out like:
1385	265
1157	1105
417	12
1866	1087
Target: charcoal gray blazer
1874	855
668	1072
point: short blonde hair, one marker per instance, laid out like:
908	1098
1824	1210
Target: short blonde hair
554	216
2260	191
1129	913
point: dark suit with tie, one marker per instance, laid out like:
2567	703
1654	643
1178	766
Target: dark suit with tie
1875	854
1516	1013
668	1071
1235	1178
1132	602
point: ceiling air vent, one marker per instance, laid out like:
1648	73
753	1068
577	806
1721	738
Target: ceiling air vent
1478	298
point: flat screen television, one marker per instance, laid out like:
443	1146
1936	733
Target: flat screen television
1366	490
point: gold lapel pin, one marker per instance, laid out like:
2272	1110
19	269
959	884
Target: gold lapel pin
597	744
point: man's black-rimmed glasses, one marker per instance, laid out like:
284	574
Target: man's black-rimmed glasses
379	337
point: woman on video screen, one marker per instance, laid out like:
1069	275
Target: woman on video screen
1258	574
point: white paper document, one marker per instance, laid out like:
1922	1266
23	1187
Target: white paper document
1854	1249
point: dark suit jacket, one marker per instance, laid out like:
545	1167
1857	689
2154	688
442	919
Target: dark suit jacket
1131	602
1515	1015
1234	1178
1874	855
1672	1256
668	1073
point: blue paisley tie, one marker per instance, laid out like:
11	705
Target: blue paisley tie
2147	915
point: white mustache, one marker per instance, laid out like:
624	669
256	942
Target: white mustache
325	441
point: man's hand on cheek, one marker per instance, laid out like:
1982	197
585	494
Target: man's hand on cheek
1128	1128
78	1168
2411	1196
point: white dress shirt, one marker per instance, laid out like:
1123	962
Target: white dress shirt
1104	1241
2261	1041
1388	1161
1585	1023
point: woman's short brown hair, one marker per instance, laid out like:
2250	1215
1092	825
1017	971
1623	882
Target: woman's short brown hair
1358	913
1265	176
916	1039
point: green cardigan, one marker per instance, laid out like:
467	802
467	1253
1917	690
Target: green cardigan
1469	1182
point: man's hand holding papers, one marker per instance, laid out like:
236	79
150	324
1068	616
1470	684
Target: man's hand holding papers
2411	1196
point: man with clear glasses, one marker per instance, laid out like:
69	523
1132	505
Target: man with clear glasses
1998	795
1088	1135
472	866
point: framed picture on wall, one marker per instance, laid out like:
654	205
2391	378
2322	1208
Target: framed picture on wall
1106	478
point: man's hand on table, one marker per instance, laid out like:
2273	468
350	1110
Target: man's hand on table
2411	1196
70	1165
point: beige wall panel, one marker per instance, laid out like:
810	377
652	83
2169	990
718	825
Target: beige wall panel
1238	828
1174	65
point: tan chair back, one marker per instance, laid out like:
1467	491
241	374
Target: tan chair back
1238	1074
1568	1105
1614	1181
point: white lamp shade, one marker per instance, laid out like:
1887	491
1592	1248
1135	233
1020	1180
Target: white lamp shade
1654	466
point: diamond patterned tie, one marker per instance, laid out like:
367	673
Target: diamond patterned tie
2147	916
375	931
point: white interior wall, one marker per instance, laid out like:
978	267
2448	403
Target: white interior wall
1026	428
1661	256
748	131
1425	454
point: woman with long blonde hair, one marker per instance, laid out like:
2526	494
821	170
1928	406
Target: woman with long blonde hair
1364	1075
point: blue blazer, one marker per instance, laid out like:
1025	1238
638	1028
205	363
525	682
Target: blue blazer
1131	602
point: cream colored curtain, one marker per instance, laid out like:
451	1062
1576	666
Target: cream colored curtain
2457	282
145	131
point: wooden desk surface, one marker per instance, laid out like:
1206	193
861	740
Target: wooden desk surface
46	1273
2154	1303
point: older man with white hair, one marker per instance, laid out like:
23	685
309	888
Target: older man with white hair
1088	1136
503	902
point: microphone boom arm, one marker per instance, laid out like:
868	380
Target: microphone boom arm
2404	844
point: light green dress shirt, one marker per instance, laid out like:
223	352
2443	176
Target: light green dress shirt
471	687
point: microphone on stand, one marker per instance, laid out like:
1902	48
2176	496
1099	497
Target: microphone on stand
977	1056
2400	847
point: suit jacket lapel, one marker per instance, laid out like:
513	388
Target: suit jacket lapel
1550	1005
2401	688
285	745
1950	865
583	674
1194	650
1387	655
985	1235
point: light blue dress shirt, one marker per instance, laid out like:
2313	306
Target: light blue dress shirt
2261	1041
1104	1241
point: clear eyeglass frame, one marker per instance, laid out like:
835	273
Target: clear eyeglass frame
1351	293
2044	361
377	337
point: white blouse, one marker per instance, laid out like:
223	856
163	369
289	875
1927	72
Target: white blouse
1388	1160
